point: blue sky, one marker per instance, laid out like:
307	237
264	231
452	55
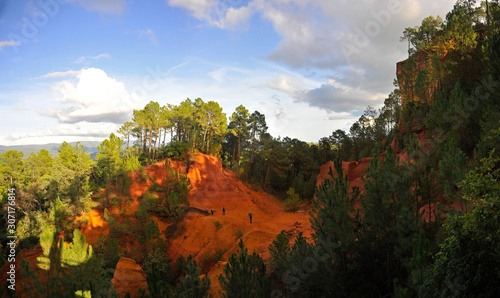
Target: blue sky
74	70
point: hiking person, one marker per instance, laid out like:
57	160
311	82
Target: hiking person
223	210
206	210
250	215
212	211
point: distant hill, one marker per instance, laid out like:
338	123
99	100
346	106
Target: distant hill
90	147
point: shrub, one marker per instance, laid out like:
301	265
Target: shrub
149	201
175	150
156	187
239	234
292	203
209	260
218	225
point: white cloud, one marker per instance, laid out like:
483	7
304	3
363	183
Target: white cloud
333	96
82	131
355	45
103	6
83	59
95	97
218	74
217	13
60	74
288	84
9	43
148	33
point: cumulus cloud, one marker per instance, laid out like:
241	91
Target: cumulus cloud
334	97
9	43
94	97
356	45
215	12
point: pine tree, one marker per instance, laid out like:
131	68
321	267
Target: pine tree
240	118
279	249
245	276
335	221
191	285
11	165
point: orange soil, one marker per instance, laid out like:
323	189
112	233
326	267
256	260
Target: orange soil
213	187
129	277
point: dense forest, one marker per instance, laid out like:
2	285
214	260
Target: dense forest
434	144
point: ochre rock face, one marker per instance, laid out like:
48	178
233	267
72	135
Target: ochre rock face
129	277
30	255
408	70
353	169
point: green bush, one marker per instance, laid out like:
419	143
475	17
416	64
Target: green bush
175	150
292	203
156	187
209	260
218	225
239	234
149	201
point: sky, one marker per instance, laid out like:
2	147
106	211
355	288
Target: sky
74	70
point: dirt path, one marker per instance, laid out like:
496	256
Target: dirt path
203	235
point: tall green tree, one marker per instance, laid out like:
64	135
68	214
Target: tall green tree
468	261
191	285
214	124
257	127
335	221
12	164
152	123
240	119
245	276
126	131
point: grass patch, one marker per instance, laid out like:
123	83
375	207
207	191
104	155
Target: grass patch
218	225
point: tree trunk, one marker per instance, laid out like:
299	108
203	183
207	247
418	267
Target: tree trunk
204	139
239	140
487	14
267	174
154	148
159	137
250	165
234	153
149	153
208	145
164	135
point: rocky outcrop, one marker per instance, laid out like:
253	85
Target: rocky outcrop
353	169
427	65
129	277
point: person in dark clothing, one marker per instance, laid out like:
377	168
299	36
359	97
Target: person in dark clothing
223	210
250	215
212	211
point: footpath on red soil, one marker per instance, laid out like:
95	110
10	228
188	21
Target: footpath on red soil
203	236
